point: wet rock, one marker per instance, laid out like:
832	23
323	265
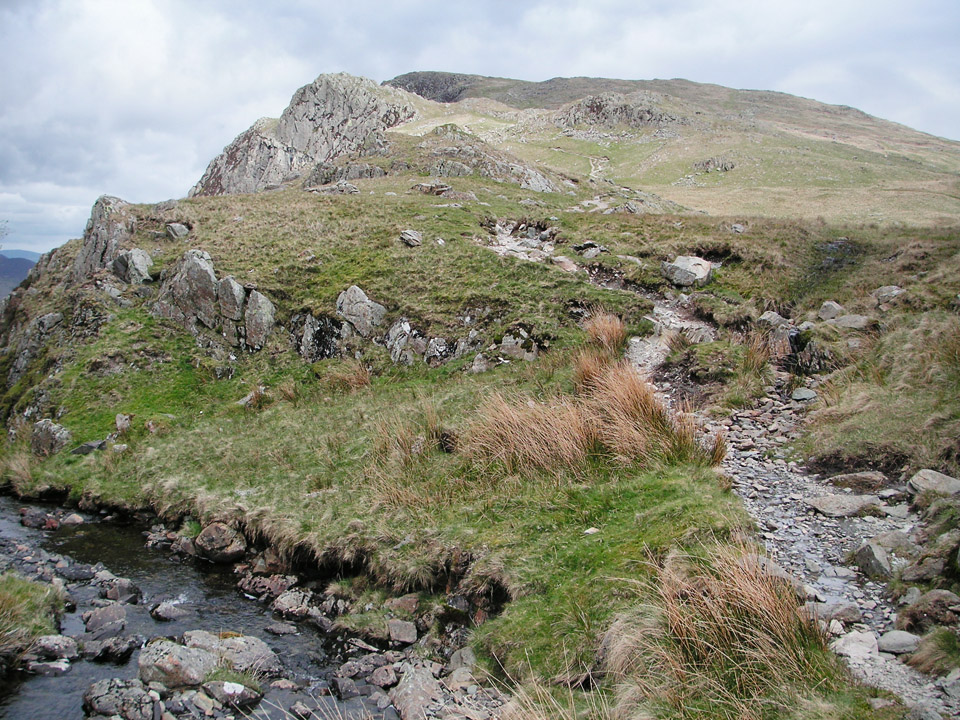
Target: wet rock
115	650
359	310
898	642
112	616
259	319
220	543
77	572
55	647
38	519
231	693
127	699
174	665
133	266
48	438
842	505
933	608
121	590
829	310
687	270
267	587
168	610
933	481
873	561
293	604
279	628
415	692
244	653
402	631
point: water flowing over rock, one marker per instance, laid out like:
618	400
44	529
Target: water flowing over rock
110	226
332	116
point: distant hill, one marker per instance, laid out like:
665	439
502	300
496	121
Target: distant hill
14	269
26	254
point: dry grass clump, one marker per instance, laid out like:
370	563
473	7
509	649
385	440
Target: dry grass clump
589	363
605	330
939	652
617	416
756	354
526	435
18	469
348	376
723	639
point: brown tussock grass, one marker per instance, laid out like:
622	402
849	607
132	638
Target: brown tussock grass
18	469
351	376
724	635
617	416
589	363
606	330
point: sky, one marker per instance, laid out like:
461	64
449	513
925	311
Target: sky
133	98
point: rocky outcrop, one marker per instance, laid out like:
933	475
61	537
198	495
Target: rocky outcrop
327	173
192	297
332	116
110	226
133	266
610	110
316	337
48	438
361	312
687	271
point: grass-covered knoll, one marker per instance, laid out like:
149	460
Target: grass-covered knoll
27	611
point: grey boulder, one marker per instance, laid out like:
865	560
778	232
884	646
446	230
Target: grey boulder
687	270
360	311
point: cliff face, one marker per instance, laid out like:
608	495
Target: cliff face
332	116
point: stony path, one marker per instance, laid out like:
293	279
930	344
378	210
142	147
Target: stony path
811	547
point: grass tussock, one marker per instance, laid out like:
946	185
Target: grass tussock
589	363
606	331
939	652
18	469
345	377
27	610
617	417
722	639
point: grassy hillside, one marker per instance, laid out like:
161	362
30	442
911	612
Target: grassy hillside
792	157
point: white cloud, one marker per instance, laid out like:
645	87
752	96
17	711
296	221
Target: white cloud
134	97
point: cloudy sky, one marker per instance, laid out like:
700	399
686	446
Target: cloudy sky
134	97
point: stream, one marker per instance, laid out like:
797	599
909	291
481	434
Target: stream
208	592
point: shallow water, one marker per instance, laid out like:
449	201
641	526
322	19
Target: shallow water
207	590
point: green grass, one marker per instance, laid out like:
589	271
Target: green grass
27	610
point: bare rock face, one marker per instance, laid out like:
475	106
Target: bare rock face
636	110
359	310
259	319
191	295
332	116
133	266
48	438
110	225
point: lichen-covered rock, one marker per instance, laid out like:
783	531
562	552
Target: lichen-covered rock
933	481
243	653
688	270
332	116
360	311
609	110
110	226
829	310
316	338
174	665
127	699
48	437
133	266
259	319
221	543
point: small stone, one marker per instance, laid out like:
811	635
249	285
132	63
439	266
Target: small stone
411	238
402	631
829	310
